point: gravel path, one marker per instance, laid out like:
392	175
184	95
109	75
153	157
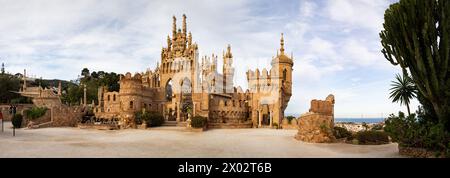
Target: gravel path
174	142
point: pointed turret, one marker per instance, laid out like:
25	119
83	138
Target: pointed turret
174	27
169	42
190	39
282	44
184	25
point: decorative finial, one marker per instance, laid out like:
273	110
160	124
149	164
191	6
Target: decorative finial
282	44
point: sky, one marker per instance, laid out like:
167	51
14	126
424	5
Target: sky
335	43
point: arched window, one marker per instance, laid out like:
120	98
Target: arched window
114	97
284	74
169	90
109	98
131	105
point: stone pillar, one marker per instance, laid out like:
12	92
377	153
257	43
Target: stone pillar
259	118
178	113
271	118
193	109
84	96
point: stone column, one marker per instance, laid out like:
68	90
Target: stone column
178	112
84	96
271	119
259	118
193	109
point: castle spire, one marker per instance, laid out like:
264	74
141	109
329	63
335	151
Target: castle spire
184	24
174	26
282	44
228	53
169	42
190	39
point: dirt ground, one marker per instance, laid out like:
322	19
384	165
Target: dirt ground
175	142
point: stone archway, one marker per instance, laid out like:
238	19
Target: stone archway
186	105
169	91
265	115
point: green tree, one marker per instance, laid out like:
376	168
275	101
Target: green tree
403	90
416	37
8	83
92	81
85	73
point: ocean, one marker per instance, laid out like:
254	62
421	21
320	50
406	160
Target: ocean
359	120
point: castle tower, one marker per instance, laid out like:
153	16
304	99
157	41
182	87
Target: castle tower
130	92
228	71
281	78
283	66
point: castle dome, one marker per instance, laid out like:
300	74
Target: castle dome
281	57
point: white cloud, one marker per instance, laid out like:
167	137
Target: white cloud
358	13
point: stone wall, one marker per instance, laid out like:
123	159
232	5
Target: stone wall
43	119
66	116
316	128
317	125
62	116
4	108
286	125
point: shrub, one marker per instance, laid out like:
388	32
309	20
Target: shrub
152	119
377	127
275	125
418	132
290	118
36	112
340	132
198	122
138	118
17	120
372	137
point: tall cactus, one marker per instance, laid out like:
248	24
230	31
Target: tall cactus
416	37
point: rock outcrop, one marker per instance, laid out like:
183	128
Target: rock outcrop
316	126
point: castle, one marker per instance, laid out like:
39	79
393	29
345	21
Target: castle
184	84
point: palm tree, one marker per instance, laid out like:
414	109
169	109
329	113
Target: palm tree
403	90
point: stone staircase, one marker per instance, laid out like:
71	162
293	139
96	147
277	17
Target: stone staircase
170	123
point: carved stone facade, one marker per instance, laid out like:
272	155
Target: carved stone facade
183	82
41	97
317	125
